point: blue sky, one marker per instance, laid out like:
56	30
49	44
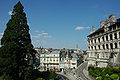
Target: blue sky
61	23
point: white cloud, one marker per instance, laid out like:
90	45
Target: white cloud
41	35
1	33
36	31
47	36
37	36
10	13
80	28
44	33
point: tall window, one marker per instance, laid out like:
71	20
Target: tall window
91	41
111	37
98	39
115	45
111	45
106	38
95	40
119	44
107	46
114	27
102	38
103	46
119	34
115	35
91	47
95	47
99	46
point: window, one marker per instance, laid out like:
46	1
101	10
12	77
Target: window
111	37
115	35
91	41
118	26
95	40
103	46
98	39
115	45
110	28
119	34
91	47
95	47
99	46
73	63
114	27
107	46
106	38
119	44
102	38
111	45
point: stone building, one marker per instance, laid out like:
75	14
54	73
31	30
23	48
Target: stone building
104	43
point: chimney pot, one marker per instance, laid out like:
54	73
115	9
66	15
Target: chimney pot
93	28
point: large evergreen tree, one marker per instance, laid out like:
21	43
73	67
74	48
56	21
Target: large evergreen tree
16	47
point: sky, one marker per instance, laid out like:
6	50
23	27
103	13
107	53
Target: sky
60	23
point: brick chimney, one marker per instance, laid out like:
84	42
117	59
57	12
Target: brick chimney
93	28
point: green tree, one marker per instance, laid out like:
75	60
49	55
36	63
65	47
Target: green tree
16	48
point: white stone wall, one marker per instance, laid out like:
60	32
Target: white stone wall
103	53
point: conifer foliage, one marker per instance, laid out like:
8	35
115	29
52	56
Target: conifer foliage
16	47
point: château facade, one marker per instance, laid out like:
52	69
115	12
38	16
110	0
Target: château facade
104	43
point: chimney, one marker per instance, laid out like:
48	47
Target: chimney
102	23
93	28
112	18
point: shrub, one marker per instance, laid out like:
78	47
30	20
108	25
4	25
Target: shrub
39	79
114	76
99	78
1	77
107	75
116	70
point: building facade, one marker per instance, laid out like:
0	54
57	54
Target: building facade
49	60
104	43
58	60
